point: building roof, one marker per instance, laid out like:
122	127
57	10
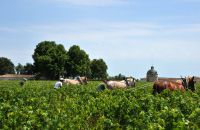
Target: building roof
152	71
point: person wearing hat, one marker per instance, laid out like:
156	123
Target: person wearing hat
59	83
22	82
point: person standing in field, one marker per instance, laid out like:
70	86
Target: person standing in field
59	83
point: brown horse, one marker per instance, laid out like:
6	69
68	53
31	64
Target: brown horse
191	83
159	86
77	81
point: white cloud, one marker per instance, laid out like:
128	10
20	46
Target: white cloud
95	31
126	40
120	44
91	2
123	40
7	29
186	28
191	1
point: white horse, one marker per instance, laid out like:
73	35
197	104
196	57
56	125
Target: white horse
76	81
129	82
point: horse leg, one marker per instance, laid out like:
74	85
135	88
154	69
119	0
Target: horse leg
154	92
157	89
154	89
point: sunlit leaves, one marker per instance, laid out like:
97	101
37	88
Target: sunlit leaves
37	105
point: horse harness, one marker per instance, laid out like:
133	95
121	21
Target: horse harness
126	81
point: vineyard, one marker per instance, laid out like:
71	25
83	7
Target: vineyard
37	105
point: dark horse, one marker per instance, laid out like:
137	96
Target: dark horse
188	83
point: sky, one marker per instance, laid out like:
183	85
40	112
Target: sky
130	35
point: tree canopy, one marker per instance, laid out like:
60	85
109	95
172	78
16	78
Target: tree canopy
98	69
19	69
49	59
78	62
6	66
25	69
28	68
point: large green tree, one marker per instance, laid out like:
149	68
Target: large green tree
19	68
78	62
98	69
49	59
6	66
28	68
25	69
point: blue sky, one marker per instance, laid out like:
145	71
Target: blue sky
130	35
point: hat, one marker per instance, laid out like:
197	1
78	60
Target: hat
61	79
24	79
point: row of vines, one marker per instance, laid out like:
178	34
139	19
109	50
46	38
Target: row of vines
37	105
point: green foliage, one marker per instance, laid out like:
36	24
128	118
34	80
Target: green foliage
19	68
6	66
37	105
78	62
49	59
117	77
28	68
98	69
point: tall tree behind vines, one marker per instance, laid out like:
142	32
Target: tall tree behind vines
49	59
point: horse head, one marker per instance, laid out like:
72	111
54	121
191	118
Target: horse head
184	82
84	80
131	81
191	83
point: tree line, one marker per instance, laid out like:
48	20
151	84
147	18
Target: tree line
52	61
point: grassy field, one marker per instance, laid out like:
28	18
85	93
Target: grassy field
37	105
